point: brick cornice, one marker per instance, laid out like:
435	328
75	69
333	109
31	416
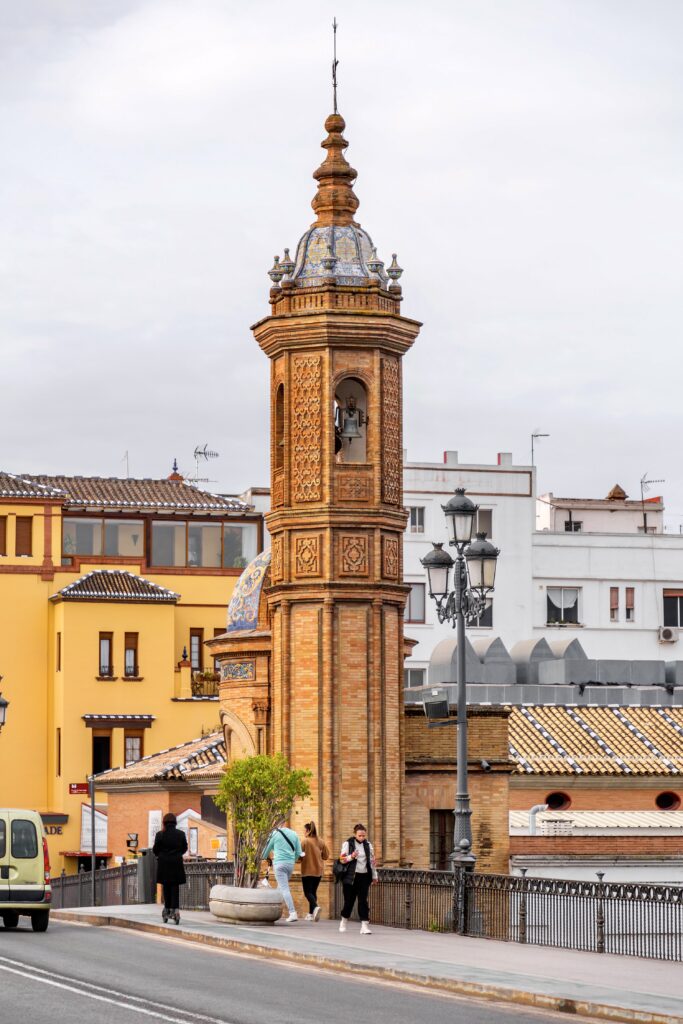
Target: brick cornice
328	329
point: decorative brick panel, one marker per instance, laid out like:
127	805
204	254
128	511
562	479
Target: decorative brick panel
306	432
391	431
353	485
354	555
390	557
308	556
276	561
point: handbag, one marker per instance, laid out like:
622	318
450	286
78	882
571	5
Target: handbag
338	870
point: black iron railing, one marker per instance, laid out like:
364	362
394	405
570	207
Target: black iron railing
113	886
205	684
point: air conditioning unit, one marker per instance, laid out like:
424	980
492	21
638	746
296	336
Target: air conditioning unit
668	634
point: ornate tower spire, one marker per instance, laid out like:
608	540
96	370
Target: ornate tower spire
335	201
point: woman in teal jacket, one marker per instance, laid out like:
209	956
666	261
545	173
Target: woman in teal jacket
285	846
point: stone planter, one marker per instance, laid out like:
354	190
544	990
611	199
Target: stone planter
245	906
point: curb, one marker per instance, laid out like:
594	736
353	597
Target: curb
477	990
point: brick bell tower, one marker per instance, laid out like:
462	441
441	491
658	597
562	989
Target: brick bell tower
335	338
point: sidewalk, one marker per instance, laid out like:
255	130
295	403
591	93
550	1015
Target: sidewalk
595	985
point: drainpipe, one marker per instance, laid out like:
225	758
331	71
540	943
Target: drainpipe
532	817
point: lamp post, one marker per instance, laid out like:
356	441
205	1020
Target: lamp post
4	704
478	559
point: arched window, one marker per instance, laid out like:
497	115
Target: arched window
558	801
350	421
280	427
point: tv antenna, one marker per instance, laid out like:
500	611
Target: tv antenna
535	435
645	486
203	453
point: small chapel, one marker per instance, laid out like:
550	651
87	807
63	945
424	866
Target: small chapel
311	663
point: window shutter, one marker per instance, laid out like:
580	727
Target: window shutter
614	598
24	538
630	597
3	535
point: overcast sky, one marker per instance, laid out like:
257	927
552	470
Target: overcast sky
522	157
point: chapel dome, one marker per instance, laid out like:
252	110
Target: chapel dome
243	610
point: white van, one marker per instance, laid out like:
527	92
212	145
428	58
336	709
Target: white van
24	869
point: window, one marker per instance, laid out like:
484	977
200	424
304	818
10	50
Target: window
614	604
23	545
58	753
350	421
58	653
563	605
572	526
486	617
204	545
417	519
415	605
3	535
124	538
210	812
218	631
101	751
280	427
414	677
132	742
106	666
197	649
673	607
485	522
558	801
239	544
24	839
630	606
3	838
668	801
130	654
440	839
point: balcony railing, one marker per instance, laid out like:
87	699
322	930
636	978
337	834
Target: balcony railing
205	684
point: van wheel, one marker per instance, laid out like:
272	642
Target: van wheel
10	919
40	920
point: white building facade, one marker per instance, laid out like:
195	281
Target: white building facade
599	570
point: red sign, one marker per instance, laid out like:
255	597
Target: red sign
78	787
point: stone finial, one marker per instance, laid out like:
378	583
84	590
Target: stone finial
175	474
287	264
335	201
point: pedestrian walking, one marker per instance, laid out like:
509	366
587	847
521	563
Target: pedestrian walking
285	846
361	872
315	852
169	847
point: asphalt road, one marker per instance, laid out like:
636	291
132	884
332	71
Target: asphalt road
80	973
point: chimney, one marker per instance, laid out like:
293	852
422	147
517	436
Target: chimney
450	458
504	458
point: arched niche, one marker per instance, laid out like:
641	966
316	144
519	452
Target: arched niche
350	421
239	742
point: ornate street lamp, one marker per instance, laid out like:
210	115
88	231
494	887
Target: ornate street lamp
4	704
476	559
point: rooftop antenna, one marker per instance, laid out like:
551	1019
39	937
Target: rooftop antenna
335	62
534	435
203	453
645	485
125	459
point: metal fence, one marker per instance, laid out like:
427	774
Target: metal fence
632	919
119	885
201	875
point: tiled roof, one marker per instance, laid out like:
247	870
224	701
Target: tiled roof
95	492
654	504
13	486
563	740
600	820
115	585
203	758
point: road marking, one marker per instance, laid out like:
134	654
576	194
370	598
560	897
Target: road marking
121	999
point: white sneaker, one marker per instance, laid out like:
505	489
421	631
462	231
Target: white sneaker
292	917
309	917
365	928
316	914
342	924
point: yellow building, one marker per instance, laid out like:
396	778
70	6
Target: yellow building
108	590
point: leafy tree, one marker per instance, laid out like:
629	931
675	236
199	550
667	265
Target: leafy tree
257	793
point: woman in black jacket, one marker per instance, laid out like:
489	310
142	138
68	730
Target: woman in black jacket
169	847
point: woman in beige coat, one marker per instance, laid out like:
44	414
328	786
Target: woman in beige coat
315	852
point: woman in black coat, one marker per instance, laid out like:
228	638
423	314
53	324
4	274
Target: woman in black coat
169	847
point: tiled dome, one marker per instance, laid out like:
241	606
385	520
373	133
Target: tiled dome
335	253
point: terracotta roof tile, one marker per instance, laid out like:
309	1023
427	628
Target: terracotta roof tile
201	758
95	492
559	740
114	585
13	486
